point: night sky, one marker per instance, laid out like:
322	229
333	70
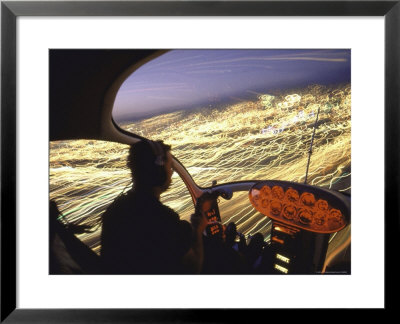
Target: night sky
186	78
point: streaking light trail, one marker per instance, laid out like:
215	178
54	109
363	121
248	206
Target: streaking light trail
264	139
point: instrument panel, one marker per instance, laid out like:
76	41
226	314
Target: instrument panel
302	206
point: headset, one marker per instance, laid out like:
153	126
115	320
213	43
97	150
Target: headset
158	152
160	175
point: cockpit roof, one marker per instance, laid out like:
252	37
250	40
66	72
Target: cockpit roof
83	88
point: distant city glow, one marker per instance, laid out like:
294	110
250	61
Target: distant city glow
227	143
185	79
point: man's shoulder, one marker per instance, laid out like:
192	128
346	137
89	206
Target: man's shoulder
167	210
140	204
119	206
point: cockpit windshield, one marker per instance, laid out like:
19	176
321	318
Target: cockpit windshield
234	115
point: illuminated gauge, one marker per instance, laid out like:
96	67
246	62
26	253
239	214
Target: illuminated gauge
322	204
289	211
206	205
305	216
214	228
277	192
307	199
320	218
255	197
264	203
265	191
255	193
275	208
292	195
335	217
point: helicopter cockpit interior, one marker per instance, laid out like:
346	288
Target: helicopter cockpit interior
270	148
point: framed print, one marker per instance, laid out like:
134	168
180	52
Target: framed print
228	74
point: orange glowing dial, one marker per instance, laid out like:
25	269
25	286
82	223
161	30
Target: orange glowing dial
305	216
322	205
292	195
335	217
307	199
265	191
265	203
256	196
277	192
289	211
275	207
300	208
320	219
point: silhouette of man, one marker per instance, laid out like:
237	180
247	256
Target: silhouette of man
140	235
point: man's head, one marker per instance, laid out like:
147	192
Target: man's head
151	164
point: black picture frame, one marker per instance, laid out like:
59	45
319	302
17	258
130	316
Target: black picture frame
10	10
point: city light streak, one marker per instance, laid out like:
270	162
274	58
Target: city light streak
264	139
